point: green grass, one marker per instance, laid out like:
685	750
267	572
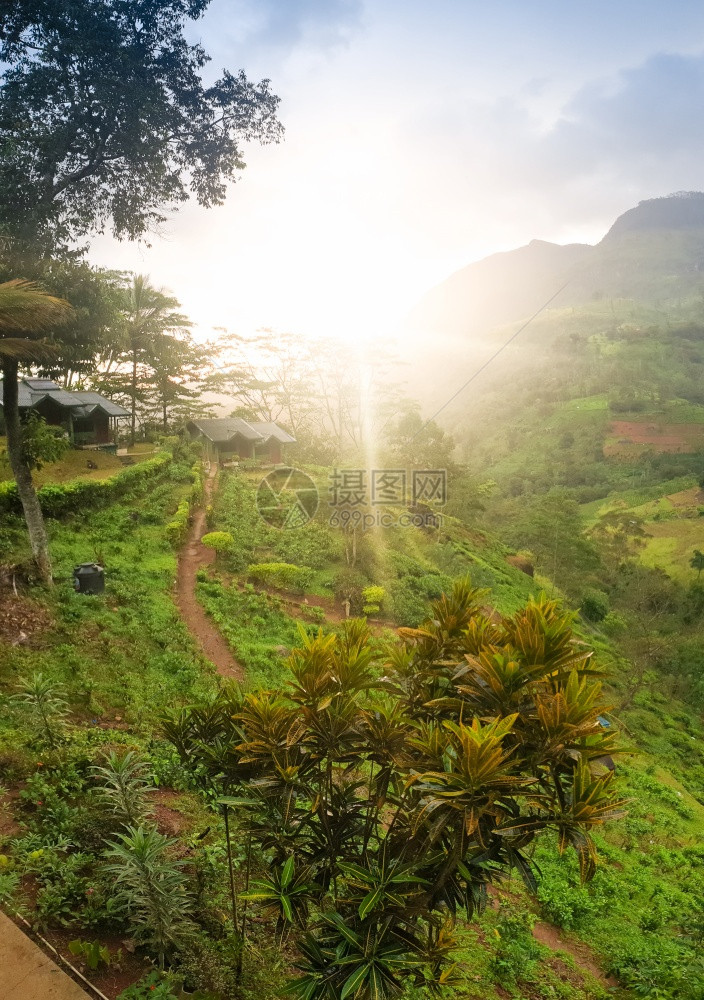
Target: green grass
74	465
255	627
125	649
671	546
636	496
128	653
599	401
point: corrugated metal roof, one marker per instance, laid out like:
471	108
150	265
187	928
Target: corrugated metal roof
37	384
268	429
93	399
31	391
223	429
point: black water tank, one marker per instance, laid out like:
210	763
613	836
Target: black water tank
89	578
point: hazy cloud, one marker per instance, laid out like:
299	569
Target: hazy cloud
273	24
652	110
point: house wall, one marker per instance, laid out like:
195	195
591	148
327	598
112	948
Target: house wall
92	430
234	449
270	451
55	415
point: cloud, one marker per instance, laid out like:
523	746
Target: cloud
653	110
288	24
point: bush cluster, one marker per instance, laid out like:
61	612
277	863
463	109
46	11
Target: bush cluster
284	575
60	499
177	527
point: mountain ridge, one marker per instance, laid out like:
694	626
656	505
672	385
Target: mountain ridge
653	253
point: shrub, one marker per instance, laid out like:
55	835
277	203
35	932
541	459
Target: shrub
348	586
58	500
373	597
594	606
153	887
221	541
177	528
427	782
46	703
123	787
151	987
284	575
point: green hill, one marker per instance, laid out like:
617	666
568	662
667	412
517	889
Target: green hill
653	254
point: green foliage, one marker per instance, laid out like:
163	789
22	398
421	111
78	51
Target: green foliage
517	952
373	597
40	443
91	952
381	807
61	500
160	142
348	585
152	886
254	625
594	605
151	987
697	561
123	787
220	541
46	703
284	575
177	528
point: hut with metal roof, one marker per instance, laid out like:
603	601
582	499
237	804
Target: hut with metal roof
87	417
232	439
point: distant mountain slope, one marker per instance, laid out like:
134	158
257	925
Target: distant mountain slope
498	289
684	210
653	253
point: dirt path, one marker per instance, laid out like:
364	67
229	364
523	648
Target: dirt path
27	973
194	555
551	936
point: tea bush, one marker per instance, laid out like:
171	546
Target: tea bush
284	575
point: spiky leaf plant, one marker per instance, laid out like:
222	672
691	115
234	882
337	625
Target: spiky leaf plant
123	787
46	702
152	885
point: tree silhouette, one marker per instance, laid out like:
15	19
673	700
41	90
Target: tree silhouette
697	562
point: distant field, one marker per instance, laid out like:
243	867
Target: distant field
73	465
670	512
671	545
628	439
600	402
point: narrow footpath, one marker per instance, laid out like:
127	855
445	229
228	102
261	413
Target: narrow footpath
194	555
29	974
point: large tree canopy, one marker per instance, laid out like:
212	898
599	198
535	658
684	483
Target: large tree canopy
104	118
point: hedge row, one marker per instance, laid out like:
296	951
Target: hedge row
177	528
59	499
284	575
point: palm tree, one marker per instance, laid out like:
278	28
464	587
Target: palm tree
150	316
27	315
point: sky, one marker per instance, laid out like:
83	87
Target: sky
422	136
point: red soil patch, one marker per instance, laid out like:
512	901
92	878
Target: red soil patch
550	936
677	438
9	827
22	621
168	819
685	499
111	980
194	556
520	562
